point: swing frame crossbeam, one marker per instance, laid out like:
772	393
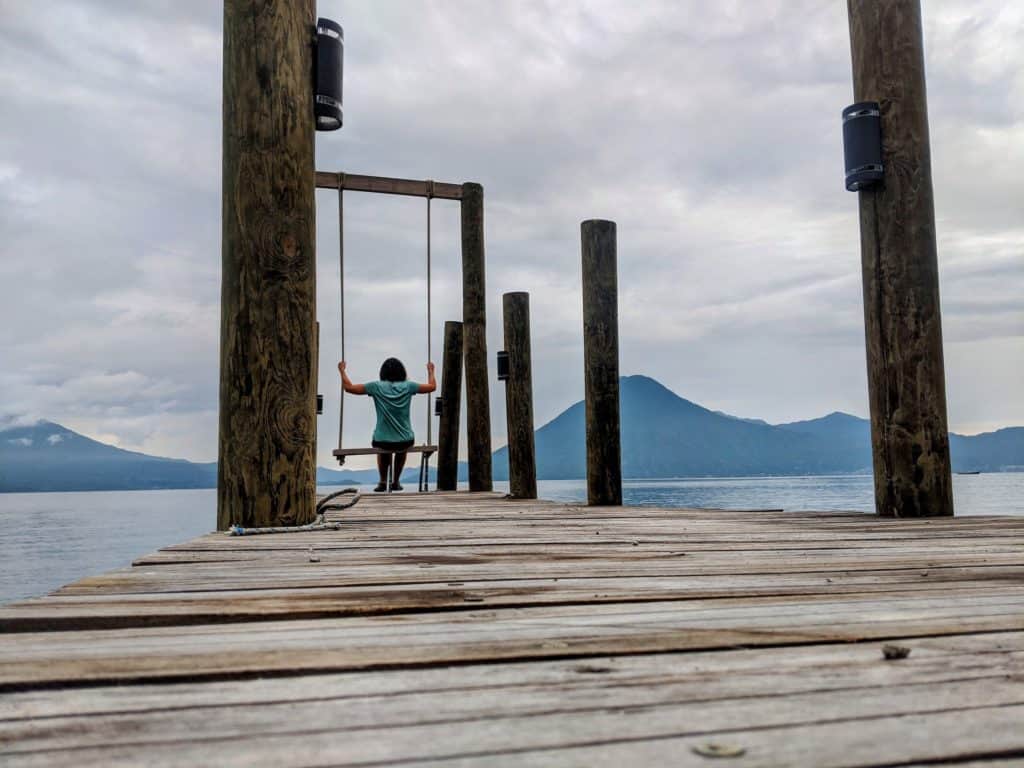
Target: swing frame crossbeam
355	182
392	186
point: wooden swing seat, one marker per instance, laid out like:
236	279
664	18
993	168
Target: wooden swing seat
341	453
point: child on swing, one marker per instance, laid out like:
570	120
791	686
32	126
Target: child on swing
392	396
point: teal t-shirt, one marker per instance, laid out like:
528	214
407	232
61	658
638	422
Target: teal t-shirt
391	399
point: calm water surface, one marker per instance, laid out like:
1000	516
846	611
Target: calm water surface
50	539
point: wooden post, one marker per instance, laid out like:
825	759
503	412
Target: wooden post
522	458
315	384
601	363
903	326
474	318
267	451
451	407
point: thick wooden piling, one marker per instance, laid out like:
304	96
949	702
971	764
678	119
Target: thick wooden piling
522	458
474	318
451	407
267	450
601	362
903	327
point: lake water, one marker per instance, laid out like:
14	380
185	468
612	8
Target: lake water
50	539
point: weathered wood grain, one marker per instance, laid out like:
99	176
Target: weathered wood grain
474	339
451	413
902	318
522	459
709	675
470	629
267	600
601	362
267	445
505	722
424	638
356	182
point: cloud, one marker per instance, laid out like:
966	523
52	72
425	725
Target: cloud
708	132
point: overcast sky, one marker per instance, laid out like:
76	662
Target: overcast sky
709	132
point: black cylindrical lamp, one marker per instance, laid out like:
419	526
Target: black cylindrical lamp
503	366
330	53
862	145
319	405
439	406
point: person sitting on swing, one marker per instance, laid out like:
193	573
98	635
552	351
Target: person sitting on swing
392	396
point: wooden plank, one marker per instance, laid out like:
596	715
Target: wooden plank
398	528
356	182
886	740
629	552
234	605
582	543
366	519
589	545
417	639
355	730
713	674
298	573
423	448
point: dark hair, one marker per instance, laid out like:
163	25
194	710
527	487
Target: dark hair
393	370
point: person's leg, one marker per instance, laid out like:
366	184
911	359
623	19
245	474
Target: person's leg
399	466
383	462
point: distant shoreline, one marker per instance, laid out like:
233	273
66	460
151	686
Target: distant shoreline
633	480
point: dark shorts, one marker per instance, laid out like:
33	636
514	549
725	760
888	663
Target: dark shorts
384	445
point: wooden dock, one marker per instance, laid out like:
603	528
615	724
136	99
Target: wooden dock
462	630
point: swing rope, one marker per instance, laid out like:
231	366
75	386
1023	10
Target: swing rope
425	458
430	396
341	294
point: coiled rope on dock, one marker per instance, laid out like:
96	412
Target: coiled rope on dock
320	524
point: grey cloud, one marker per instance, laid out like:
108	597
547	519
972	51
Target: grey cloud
709	132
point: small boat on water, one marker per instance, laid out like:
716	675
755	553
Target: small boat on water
976	472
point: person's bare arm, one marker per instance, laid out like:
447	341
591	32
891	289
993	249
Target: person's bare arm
348	386
431	384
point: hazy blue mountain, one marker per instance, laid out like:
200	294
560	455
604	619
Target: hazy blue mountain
663	435
50	457
836	425
47	456
845	439
740	418
1002	450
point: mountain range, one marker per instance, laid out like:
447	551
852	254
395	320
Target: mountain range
663	435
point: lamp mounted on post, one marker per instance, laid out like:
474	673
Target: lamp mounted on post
503	366
330	52
862	145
